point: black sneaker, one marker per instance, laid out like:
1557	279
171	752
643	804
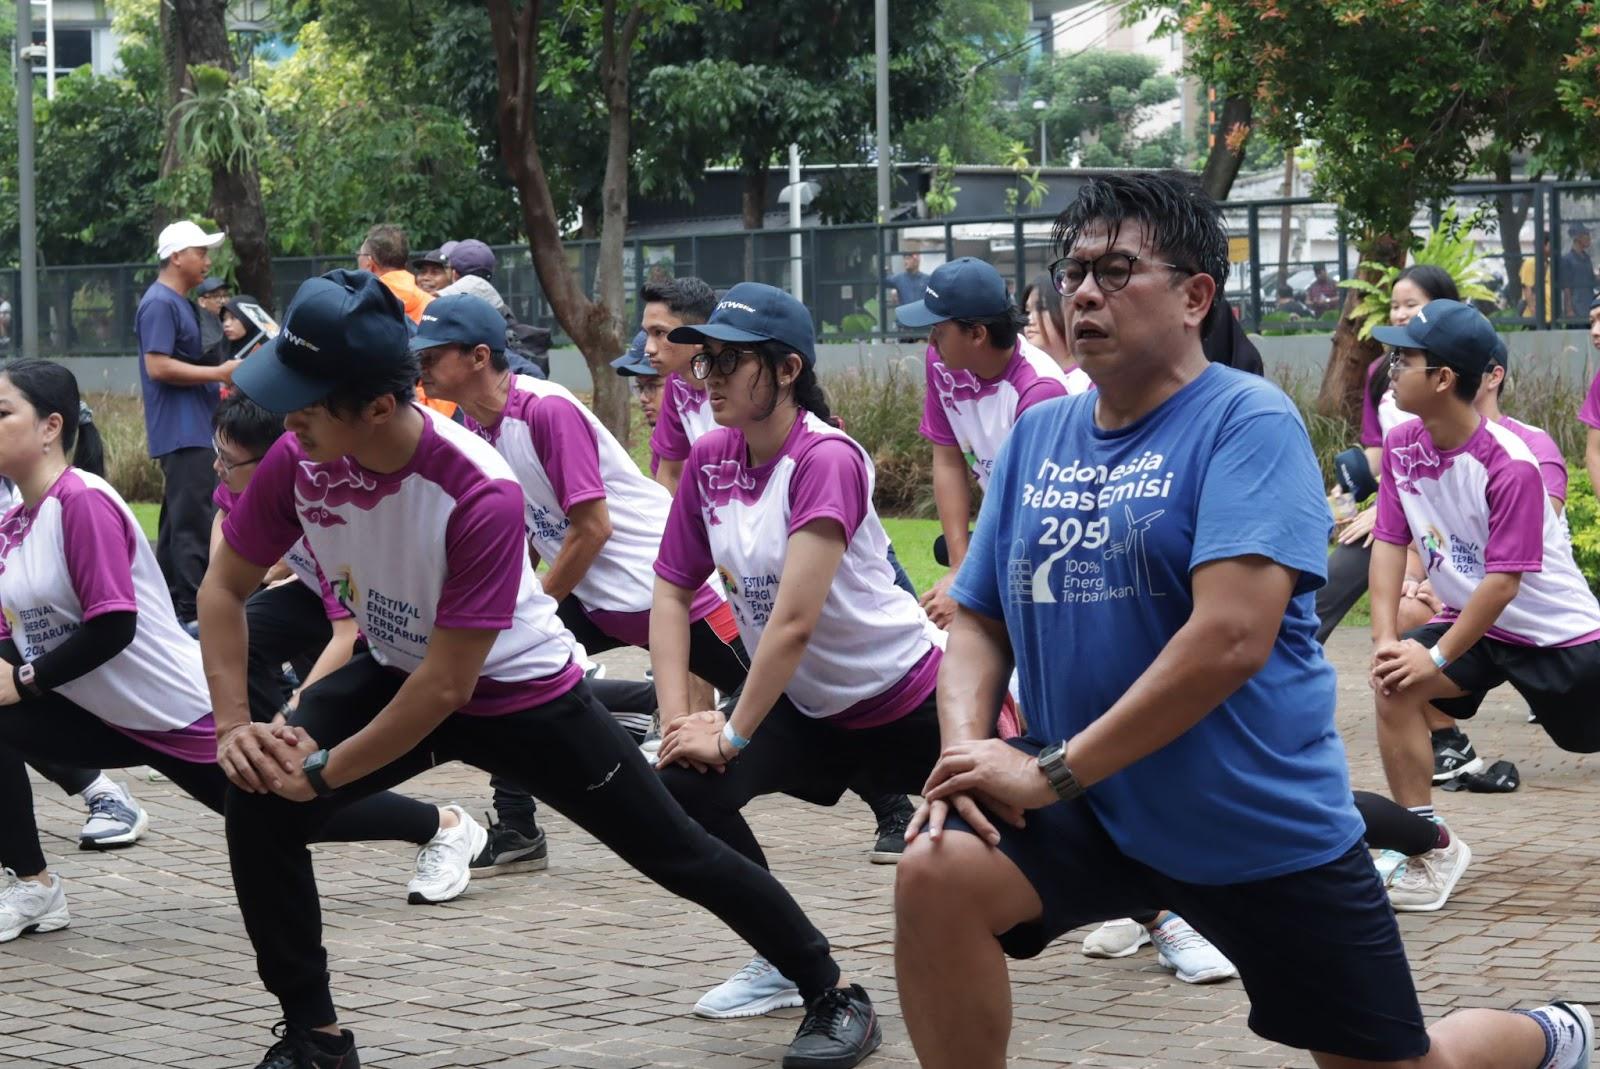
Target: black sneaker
508	851
296	1049
1453	755
891	841
839	1031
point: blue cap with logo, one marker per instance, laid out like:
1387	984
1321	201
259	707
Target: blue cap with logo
756	312
341	327
634	362
460	319
967	288
1455	334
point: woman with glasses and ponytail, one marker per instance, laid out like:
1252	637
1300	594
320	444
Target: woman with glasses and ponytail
778	502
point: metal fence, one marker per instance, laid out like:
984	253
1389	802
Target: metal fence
1523	233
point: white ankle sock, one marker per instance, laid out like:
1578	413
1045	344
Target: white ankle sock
1564	1041
101	785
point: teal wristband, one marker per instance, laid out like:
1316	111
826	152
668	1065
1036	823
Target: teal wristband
1438	658
736	740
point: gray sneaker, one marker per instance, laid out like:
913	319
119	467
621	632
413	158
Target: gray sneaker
115	819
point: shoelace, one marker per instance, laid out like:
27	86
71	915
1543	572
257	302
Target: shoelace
432	860
292	1050
754	969
1186	938
105	804
826	1015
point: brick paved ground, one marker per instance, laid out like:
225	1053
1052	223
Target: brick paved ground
587	966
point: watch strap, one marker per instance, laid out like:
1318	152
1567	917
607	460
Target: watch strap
312	767
23	676
1053	763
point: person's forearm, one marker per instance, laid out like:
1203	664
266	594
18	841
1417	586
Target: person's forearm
1591	460
579	549
952	499
223	652
1482	609
425	699
1194	673
669	650
783	644
668	474
973	677
171	371
1386	575
216	532
336	654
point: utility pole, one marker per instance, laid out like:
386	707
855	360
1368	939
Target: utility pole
26	341
884	155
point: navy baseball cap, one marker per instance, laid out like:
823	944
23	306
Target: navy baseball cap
1455	334
756	312
439	256
472	257
460	319
210	285
967	288
341	327
634	362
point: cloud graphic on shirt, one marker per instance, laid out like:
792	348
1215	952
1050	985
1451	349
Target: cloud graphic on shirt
340	483
686	398
1414	462
321	516
722	482
954	387
12	529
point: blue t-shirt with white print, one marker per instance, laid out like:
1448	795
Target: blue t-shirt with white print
1085	545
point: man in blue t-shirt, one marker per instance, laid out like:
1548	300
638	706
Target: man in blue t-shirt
180	393
1147	553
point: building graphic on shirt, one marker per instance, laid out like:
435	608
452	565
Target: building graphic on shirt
1019	573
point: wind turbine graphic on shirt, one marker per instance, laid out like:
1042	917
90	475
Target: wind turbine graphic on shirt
1133	548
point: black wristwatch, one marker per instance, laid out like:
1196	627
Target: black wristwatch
23	676
1053	763
312	767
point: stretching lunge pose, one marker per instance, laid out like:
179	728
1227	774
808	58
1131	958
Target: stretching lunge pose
779	503
418	523
1148	554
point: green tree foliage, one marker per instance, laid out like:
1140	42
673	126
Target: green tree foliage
986	43
1096	102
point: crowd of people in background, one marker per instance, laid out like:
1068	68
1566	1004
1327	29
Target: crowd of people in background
388	541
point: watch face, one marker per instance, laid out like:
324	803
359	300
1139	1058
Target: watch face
316	761
25	673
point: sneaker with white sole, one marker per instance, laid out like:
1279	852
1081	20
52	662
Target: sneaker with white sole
1423	884
444	864
1190	954
1386	862
755	989
1116	939
115	819
1453	755
26	906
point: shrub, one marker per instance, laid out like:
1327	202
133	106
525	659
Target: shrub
120	420
882	410
1583	517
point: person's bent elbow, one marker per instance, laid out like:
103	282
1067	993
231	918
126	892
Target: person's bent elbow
1244	646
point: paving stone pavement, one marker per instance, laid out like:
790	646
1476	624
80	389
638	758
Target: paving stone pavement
588	966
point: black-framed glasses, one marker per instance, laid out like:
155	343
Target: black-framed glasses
724	361
230	466
1111	271
642	385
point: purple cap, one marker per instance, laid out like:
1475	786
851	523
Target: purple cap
472	257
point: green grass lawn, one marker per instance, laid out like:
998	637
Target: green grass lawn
147	512
913	544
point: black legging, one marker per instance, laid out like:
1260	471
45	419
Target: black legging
573	754
51	728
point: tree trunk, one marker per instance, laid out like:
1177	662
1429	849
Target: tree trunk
1511	219
1223	162
753	203
592	324
1349	357
196	31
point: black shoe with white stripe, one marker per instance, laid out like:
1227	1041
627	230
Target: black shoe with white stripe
839	1031
1453	755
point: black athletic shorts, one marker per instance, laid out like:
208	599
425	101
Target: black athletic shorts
1561	684
1318	951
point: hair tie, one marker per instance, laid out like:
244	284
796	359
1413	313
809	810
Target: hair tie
85	414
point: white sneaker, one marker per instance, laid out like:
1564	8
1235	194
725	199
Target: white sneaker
755	989
1423	884
444	864
115	819
1386	862
1116	939
26	906
1190	954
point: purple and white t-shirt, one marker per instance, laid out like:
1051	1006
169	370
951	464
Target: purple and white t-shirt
299	559
439	543
76	555
685	417
976	415
563	456
1589	413
1379	417
873	655
1481	508
1552	464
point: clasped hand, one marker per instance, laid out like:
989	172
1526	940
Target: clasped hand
263	758
696	740
974	776
1397	665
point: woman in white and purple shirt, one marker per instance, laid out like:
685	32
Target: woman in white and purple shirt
779	504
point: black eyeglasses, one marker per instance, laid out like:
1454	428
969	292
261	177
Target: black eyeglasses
1111	271
1396	359
230	466
644	385
724	361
